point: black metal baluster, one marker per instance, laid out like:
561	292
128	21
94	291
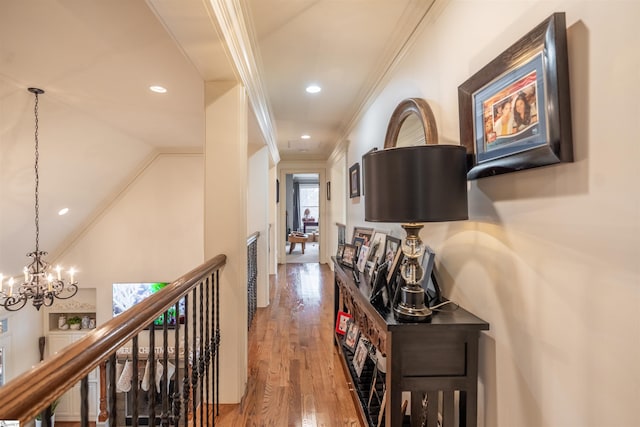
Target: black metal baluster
135	383
84	401
113	407
201	357
194	360
151	392
176	389
207	352
185	380
164	388
217	342
252	281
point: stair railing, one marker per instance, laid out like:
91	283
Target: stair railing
252	276
193	357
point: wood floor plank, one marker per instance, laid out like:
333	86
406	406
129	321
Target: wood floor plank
295	377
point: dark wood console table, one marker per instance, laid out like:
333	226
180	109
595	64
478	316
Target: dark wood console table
436	360
309	223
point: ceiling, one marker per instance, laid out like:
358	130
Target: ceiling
99	122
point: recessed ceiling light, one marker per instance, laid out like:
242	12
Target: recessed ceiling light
305	136
63	211
158	89
313	89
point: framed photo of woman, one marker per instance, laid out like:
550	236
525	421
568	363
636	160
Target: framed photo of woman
515	113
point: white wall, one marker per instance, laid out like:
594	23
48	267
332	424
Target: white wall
336	207
258	217
549	256
273	220
152	232
20	340
226	193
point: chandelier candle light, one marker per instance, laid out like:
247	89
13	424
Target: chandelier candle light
39	284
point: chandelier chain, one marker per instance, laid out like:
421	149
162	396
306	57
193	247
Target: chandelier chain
39	285
37	204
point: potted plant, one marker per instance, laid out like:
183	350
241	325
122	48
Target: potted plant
74	322
52	421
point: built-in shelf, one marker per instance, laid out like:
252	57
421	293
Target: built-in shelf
83	304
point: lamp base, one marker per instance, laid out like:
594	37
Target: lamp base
411	307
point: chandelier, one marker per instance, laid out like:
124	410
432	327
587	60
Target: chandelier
39	284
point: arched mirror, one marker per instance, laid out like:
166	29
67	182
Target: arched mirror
412	123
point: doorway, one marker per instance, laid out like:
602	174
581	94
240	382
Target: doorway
302	218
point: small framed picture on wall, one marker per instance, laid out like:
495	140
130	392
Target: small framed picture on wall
354	181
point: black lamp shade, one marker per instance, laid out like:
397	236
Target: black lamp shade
424	183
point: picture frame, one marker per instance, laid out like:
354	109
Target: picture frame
394	278
379	291
376	252
349	255
363	256
530	82
340	251
432	289
395	265
360	356
429	283
342	232
328	190
391	248
359	242
352	335
354	180
363	232
342	322
427	263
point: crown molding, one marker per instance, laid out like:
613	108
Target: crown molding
239	42
415	21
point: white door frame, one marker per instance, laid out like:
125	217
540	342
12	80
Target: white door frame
322	220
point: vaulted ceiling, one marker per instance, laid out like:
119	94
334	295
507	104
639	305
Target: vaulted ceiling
99	122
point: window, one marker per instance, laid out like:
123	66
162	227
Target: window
310	199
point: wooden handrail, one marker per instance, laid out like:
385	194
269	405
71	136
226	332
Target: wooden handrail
29	394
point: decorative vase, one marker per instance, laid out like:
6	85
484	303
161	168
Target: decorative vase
85	322
62	321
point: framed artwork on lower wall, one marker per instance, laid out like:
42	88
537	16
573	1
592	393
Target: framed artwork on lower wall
342	322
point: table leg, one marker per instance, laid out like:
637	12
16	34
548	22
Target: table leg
292	245
303	248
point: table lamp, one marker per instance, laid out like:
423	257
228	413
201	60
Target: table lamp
413	185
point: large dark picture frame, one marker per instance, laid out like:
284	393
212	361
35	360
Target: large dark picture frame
531	80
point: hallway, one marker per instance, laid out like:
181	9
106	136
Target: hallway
295	377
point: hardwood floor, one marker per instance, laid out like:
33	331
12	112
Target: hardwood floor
295	377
